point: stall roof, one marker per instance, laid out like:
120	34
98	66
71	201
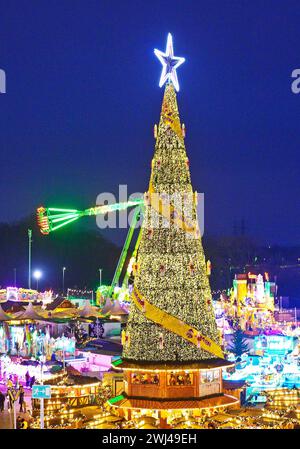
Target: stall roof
88	311
104	347
169	404
117	309
60	303
4	316
14	306
233	384
29	314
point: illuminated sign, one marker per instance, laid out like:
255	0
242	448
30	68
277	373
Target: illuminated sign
41	392
11	294
274	343
22	294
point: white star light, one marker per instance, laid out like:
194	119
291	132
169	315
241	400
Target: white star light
170	63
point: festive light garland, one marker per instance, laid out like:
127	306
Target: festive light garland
175	325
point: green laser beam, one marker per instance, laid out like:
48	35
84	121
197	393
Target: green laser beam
64	223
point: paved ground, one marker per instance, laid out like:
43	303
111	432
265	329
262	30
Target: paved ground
7	416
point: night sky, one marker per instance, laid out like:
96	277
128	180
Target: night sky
82	98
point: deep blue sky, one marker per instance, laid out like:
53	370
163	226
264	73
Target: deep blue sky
82	98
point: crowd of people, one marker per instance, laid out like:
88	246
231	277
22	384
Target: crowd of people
15	394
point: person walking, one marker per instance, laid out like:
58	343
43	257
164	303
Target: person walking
11	398
27	378
2	400
24	424
32	381
21	399
19	422
16	382
9	382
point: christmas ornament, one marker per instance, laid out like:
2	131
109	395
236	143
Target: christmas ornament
135	268
162	270
192	268
123	337
147	198
161	341
183	130
208	268
196	198
198	340
149	233
190	333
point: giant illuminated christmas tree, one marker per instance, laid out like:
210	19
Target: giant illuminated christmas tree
171	269
171	348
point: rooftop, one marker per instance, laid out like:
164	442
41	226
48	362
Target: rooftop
149	404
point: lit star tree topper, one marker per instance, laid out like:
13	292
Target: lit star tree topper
170	63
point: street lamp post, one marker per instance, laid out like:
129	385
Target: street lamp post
37	276
63	279
63	351
42	361
15	412
100	276
29	257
